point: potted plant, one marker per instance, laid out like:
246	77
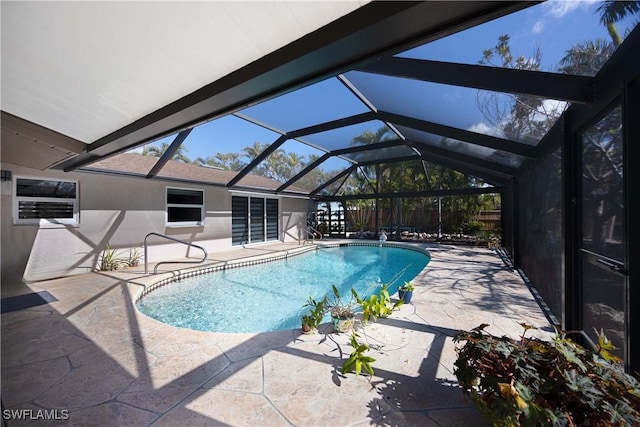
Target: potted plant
532	382
405	292
342	314
313	319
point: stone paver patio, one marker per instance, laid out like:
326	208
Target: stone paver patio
91	353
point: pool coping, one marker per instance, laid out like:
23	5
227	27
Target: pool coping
178	275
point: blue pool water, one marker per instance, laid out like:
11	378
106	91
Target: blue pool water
270	296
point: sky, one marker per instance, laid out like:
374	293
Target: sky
553	27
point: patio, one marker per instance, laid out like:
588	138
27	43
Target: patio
93	354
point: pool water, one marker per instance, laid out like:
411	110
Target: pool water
270	296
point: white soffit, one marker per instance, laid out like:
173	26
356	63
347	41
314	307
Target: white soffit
86	69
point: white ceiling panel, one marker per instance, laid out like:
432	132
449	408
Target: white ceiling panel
86	69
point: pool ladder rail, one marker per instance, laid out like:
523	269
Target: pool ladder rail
310	235
155	269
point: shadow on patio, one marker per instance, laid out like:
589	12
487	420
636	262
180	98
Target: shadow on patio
93	354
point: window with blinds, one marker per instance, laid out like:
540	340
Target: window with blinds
254	220
239	220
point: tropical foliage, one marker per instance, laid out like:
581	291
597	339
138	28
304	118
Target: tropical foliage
358	360
314	317
377	305
111	260
527	118
531	382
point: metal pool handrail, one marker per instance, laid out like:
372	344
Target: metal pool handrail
314	231
310	232
155	269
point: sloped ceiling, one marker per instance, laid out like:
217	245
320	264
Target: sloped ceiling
86	69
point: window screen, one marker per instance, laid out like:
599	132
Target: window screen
185	206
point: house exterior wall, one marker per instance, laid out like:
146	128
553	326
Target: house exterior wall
118	211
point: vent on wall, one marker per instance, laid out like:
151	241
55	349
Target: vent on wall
5	175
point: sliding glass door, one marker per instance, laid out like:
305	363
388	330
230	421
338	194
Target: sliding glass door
254	220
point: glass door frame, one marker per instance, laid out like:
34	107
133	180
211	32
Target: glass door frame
575	122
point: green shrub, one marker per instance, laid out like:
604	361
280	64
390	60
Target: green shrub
531	382
313	318
111	260
472	227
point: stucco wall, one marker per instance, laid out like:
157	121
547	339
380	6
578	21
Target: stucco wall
119	211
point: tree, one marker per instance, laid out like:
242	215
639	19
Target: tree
373	174
226	161
252	152
586	59
523	118
316	177
613	11
157	151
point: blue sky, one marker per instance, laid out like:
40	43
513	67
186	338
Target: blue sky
553	27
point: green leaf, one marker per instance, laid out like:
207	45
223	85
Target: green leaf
568	352
348	366
356	296
367	367
336	293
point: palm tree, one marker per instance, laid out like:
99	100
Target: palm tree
613	11
229	161
586	58
274	166
154	150
158	151
252	152
372	138
295	162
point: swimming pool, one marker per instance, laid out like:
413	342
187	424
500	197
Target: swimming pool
270	296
